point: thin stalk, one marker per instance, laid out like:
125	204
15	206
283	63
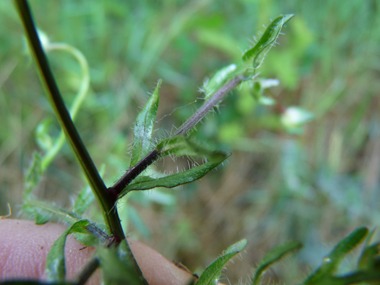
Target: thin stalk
79	98
208	105
135	170
132	173
87	271
80	151
104	199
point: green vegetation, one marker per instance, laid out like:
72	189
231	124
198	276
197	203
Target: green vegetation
285	180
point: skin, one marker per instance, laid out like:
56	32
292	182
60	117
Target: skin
24	246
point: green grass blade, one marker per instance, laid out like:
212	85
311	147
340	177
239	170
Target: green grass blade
195	173
267	40
332	261
55	260
144	127
183	146
274	255
213	272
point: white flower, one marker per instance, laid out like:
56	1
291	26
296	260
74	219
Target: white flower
295	117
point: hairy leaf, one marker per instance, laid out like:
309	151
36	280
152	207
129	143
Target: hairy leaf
43	138
144	127
83	201
183	146
213	272
55	260
195	173
332	261
267	40
218	80
86	238
42	211
274	255
40	216
32	176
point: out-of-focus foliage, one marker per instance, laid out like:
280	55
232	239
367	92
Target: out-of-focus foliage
314	187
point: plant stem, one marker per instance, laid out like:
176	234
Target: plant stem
109	211
89	269
135	170
132	173
208	105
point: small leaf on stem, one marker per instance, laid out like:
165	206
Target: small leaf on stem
32	176
274	255
331	262
213	272
195	173
144	127
183	146
267	40
55	260
218	80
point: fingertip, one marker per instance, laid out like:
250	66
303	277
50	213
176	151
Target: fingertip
25	245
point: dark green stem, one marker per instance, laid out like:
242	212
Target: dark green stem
80	151
104	198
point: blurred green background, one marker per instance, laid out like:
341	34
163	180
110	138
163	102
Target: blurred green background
314	187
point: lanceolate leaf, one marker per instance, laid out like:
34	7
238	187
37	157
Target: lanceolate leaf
332	261
218	80
42	211
55	260
273	256
195	173
183	146
84	199
40	216
43	138
32	176
267	40
144	127
212	273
